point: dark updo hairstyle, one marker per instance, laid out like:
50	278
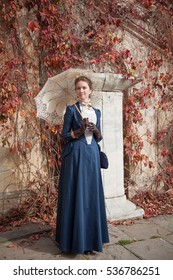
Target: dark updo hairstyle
84	79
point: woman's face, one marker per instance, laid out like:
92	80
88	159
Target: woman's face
83	91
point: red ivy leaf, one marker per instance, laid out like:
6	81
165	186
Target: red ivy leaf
165	152
33	26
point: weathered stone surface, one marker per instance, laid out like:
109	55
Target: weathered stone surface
113	252
23	231
165	221
116	235
169	238
145	243
27	249
152	249
142	230
8	179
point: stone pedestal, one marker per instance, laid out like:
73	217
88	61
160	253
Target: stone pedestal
107	96
117	206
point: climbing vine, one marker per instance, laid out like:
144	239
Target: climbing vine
42	38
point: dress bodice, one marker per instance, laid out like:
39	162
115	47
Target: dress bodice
91	115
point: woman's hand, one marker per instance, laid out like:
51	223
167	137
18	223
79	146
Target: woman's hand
85	123
94	129
77	133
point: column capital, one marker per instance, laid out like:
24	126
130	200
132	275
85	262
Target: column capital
117	82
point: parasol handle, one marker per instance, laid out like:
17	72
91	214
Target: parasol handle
78	110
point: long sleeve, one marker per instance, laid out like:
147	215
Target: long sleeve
66	132
98	125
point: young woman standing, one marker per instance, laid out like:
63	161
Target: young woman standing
81	217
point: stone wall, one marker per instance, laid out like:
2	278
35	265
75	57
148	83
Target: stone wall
14	182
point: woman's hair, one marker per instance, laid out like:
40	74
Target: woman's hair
84	79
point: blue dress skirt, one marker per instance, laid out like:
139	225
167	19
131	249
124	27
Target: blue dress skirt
81	216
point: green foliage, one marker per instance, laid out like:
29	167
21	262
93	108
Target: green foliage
125	242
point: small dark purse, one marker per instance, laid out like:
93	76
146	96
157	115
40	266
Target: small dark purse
103	159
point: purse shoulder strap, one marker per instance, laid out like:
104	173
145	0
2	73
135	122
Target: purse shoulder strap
78	110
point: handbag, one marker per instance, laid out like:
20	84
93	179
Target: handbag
104	163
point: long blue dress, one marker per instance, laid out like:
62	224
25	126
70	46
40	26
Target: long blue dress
81	216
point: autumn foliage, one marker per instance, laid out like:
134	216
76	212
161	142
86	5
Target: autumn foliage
42	38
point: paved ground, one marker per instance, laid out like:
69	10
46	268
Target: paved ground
146	239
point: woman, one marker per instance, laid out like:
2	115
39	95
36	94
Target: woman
81	216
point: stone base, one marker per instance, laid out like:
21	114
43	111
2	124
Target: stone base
119	208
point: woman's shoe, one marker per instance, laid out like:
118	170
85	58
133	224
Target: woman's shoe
88	252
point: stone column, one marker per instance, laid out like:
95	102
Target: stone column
117	205
112	86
